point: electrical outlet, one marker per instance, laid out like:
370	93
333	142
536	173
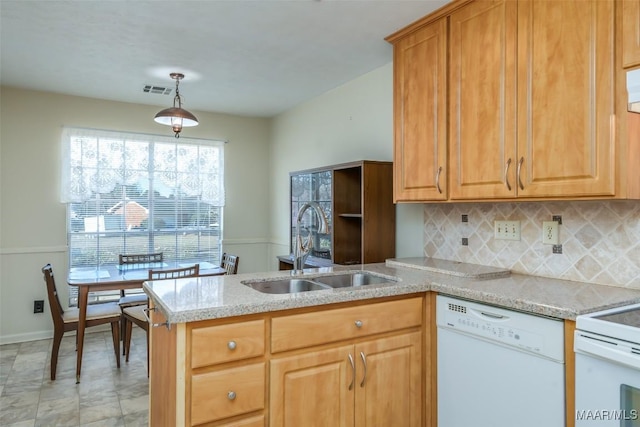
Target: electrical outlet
506	230
38	306
550	233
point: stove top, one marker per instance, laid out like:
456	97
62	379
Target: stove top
622	323
627	316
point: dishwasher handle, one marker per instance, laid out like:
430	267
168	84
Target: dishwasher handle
483	314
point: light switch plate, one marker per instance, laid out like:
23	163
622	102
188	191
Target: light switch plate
506	230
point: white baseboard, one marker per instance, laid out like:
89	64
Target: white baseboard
45	335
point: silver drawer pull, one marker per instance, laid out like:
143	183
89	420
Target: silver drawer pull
358	324
231	395
231	345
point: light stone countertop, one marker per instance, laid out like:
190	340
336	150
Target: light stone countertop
202	298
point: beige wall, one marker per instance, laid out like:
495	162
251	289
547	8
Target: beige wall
351	122
32	220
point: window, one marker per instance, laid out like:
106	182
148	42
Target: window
135	193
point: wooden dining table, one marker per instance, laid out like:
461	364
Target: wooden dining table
118	277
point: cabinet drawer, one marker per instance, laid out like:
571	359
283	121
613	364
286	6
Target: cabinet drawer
222	394
247	422
308	329
225	343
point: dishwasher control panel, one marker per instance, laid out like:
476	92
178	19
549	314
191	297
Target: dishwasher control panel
527	332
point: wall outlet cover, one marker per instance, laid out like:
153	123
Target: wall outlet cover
550	233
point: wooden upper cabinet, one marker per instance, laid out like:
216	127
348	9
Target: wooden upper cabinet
482	100
631	33
566	102
530	93
420	84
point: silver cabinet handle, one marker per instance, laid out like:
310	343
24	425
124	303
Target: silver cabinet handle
438	180
518	173
358	324
231	345
506	174
353	371
231	395
364	363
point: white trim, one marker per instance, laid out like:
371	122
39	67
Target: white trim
33	250
59	249
45	335
254	241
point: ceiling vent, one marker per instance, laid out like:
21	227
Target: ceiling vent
160	90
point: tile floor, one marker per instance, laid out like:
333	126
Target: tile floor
106	395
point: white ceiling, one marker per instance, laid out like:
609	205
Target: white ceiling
253	58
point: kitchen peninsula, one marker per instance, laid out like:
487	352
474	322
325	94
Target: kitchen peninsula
231	355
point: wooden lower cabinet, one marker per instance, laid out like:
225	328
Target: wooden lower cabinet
389	389
312	389
372	383
357	364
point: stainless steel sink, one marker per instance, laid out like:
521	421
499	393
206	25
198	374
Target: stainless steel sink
351	280
290	286
286	286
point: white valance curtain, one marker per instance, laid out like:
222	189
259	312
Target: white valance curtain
96	161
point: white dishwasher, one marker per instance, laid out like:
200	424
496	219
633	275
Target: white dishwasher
498	367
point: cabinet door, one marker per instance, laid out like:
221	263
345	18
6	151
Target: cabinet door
482	100
389	382
313	389
566	115
420	121
630	33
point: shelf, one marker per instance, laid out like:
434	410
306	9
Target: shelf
345	192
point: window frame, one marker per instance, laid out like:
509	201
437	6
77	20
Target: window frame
186	238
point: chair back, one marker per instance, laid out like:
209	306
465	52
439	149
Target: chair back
175	273
52	293
140	258
230	263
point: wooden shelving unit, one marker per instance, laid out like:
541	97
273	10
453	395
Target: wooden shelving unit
359	209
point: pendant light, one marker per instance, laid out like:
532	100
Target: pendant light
176	116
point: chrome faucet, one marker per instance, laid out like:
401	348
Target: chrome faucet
301	249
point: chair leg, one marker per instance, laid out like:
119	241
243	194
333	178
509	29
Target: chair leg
115	334
123	333
127	338
57	338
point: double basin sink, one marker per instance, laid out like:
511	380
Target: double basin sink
295	285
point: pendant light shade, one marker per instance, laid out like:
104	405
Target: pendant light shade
176	116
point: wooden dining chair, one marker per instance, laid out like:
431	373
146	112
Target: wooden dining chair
137	314
67	320
137	298
230	263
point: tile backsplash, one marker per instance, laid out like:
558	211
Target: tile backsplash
600	240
